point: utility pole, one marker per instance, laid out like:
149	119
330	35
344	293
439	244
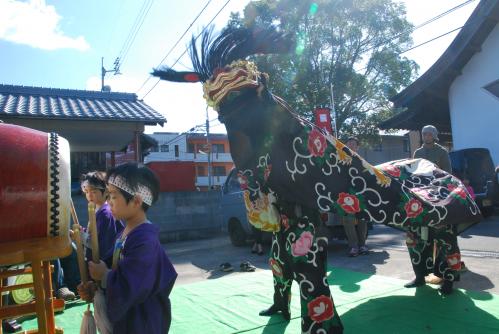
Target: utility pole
209	148
334	113
116	71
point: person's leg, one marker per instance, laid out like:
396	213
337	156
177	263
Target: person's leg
351	234
258	234
448	262
71	271
361	229
319	313
282	276
57	275
59	285
421	254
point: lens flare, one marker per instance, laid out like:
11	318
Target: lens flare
313	9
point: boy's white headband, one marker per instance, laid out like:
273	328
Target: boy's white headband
85	184
142	191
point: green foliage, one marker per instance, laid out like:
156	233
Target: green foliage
353	45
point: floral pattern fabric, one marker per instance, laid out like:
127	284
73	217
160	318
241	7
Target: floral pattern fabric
298	254
447	263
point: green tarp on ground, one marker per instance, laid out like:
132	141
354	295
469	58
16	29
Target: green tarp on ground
367	304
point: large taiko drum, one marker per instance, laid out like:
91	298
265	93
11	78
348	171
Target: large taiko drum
35	184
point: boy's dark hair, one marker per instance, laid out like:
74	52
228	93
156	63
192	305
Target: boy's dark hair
95	179
136	174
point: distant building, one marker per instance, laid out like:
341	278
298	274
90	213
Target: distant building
174	148
396	146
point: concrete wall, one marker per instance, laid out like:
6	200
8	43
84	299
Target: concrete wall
474	112
180	215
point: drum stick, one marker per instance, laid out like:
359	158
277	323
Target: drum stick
80	252
92	226
73	212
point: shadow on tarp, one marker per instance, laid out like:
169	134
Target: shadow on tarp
424	312
351	283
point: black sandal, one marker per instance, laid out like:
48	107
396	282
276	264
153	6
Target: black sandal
226	267
247	267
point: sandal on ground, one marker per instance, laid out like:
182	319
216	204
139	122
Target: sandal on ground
248	267
226	267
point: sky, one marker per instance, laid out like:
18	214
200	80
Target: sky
59	44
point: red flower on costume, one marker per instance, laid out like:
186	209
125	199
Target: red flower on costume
454	261
321	309
266	172
413	208
285	221
276	267
349	203
458	191
243	181
316	143
392	170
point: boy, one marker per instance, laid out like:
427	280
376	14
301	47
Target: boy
93	185
138	286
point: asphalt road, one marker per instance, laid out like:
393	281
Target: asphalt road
199	260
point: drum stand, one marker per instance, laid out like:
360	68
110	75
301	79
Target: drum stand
38	253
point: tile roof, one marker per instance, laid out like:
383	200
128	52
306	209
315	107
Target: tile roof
68	104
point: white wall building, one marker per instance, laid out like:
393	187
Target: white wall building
474	100
459	94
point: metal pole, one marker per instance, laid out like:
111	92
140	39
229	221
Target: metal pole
209	148
103	73
334	113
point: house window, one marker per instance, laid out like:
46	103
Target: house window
493	88
164	148
406	145
190	148
219	171
154	148
176	151
218	148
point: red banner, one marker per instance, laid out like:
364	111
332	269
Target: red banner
322	117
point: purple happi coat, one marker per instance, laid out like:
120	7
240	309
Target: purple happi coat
137	291
108	229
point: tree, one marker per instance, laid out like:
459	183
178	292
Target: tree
354	45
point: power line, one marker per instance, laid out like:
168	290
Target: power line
139	20
183	53
411	30
114	24
425	42
431	40
176	43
